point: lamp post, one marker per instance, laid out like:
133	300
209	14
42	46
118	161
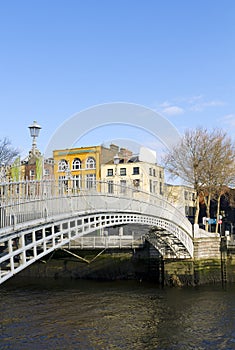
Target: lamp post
68	178
116	161
35	162
34	132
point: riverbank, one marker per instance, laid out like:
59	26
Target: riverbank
132	265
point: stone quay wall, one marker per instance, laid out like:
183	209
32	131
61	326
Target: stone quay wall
210	264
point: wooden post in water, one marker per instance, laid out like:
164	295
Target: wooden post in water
223	250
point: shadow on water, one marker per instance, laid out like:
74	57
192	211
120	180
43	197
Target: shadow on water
78	314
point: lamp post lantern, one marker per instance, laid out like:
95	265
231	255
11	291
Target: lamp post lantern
34	132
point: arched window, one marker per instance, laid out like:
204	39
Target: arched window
76	164
63	165
90	163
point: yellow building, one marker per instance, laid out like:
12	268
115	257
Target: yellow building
79	168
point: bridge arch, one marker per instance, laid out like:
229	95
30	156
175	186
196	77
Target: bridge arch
26	246
34	227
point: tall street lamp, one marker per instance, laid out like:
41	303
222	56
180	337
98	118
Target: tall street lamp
34	132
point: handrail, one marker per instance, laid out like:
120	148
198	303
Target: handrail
41	195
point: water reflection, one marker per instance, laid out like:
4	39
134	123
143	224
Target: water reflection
62	314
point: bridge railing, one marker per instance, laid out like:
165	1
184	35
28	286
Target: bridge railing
25	201
95	242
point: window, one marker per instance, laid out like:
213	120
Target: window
136	170
155	186
90	181
77	181
90	163
76	164
123	186
122	171
63	165
161	188
150	171
154	172
32	174
61	179
63	184
46	172
109	172
160	174
110	186
150	186
136	183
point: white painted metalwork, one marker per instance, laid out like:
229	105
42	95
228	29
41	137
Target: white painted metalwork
38	217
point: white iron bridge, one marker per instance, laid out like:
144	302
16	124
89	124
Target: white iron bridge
37	218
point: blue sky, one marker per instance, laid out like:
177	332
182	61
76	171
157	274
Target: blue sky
59	57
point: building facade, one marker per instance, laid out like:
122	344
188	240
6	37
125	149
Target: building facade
122	174
36	168
182	197
80	168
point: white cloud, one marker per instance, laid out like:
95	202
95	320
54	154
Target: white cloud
165	104
173	110
229	119
214	103
198	104
194	99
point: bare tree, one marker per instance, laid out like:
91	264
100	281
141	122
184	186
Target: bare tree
204	160
7	152
186	161
219	170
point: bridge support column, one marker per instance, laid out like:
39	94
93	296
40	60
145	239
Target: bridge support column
43	237
22	246
35	246
53	237
10	252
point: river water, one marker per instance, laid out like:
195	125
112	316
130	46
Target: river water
65	314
